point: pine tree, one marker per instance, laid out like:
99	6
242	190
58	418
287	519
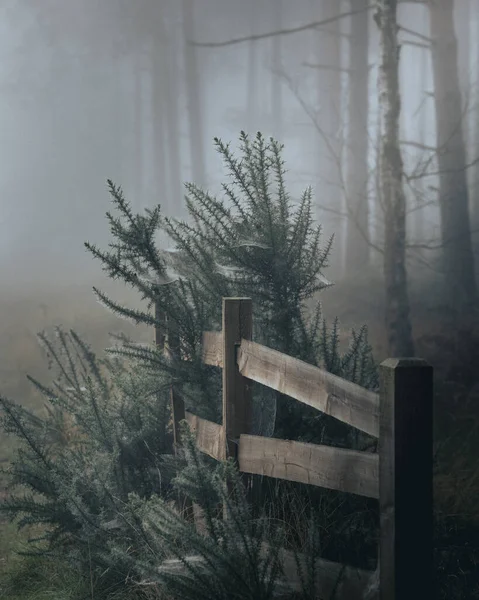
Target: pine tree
97	467
228	559
103	436
251	242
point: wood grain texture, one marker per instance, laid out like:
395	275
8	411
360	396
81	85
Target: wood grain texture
237	389
213	348
210	437
324	466
311	385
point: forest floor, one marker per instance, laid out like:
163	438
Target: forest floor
448	342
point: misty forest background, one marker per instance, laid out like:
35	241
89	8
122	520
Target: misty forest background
136	92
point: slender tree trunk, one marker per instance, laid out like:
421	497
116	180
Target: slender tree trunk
475	187
400	342
158	113
252	74
116	116
329	84
276	56
419	215
174	163
194	96
138	180
462	17
377	209
357	249
453	195
168	54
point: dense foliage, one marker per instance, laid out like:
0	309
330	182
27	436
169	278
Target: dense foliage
98	467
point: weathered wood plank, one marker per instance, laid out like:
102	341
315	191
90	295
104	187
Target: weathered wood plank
178	414
324	466
406	490
213	348
311	385
237	390
210	437
350	583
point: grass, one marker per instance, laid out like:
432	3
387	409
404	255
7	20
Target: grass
449	344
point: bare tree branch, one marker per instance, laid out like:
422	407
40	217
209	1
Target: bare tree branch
421	36
337	160
421	175
262	36
326	67
332	68
418	145
415	44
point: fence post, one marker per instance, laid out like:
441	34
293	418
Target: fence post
172	348
160	329
237	397
160	337
168	339
405	480
237	390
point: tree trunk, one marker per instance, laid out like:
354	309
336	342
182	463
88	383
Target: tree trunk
398	326
176	206
276	84
194	97
475	125
252	75
357	249
158	116
424	78
138	192
462	17
329	84
116	123
453	194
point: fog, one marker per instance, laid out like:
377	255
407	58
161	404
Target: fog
91	91
136	91
79	105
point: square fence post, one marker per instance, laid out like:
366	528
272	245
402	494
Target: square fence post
405	480
237	390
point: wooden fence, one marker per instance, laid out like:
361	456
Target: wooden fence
399	475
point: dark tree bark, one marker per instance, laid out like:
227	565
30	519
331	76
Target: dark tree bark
357	248
194	97
453	194
398	325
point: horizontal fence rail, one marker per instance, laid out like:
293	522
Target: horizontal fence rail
324	466
209	436
306	383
